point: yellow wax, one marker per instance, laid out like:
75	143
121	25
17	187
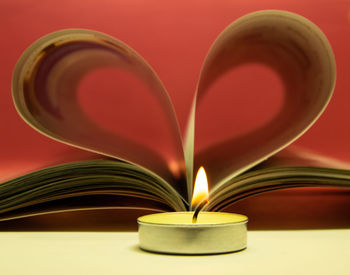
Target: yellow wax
185	218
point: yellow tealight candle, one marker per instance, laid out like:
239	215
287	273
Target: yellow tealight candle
174	233
177	233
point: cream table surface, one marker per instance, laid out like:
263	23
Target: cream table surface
269	252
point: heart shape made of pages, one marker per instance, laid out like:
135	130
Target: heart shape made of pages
47	78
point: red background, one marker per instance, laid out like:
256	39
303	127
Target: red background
174	37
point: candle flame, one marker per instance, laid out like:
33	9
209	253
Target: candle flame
200	192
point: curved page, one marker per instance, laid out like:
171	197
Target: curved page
302	157
57	91
299	53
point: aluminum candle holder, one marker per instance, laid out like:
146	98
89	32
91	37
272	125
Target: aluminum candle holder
175	233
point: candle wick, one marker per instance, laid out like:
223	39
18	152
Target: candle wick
196	211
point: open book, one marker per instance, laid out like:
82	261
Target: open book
146	163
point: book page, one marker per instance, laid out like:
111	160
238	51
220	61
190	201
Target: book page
263	180
79	182
59	89
299	156
301	56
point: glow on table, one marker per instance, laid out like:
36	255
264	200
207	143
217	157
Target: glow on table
269	252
